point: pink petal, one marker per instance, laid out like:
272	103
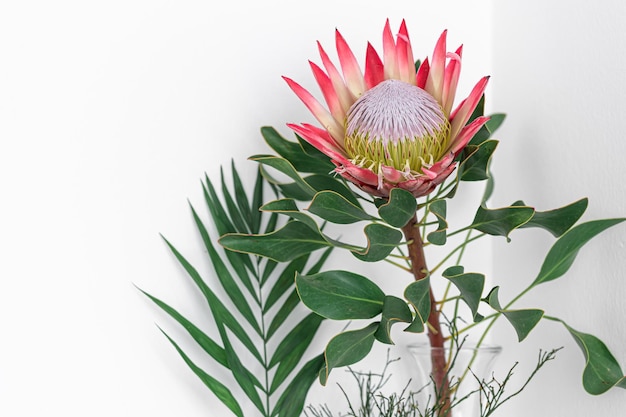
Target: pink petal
391	174
404	52
321	114
451	80
430	174
374	68
443	163
422	74
467	133
362	175
389	54
350	67
418	187
434	84
461	114
330	95
345	96
320	139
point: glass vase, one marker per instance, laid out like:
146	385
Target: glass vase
455	392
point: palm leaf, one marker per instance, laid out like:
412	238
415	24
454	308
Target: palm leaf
243	277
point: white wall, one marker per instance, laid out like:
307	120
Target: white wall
110	114
559	72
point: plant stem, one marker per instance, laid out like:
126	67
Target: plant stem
435	336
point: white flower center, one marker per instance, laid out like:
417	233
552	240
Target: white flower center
396	124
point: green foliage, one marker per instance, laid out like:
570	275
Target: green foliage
470	286
523	321
602	371
563	253
502	221
335	208
418	295
344	295
348	348
399	208
395	310
274	339
340	295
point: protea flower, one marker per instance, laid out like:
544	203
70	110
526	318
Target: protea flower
391	126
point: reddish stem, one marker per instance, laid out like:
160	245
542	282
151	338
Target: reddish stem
435	336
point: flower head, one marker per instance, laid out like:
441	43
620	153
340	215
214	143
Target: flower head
391	126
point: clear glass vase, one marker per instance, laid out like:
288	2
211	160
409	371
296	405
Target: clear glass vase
457	391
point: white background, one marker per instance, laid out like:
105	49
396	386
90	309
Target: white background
111	113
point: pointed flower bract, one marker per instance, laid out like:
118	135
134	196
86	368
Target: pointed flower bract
390	126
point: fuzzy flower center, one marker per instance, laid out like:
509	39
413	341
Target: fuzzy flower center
398	125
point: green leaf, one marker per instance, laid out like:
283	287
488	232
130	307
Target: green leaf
220	313
523	321
418	295
333	207
602	371
399	209
226	279
240	262
381	241
292	300
241	197
340	295
439	236
287	306
219	389
288	207
475	162
470	285
244	378
331	183
394	310
558	221
291	401
284	166
347	348
489	187
218	214
233	209
257	201
284	282
204	341
502	221
292	347
564	251
495	121
292	241
295	154
292	190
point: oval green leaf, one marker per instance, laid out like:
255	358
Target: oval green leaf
502	221
292	241
347	348
476	166
394	310
381	240
560	220
564	251
602	372
523	321
470	286
335	208
340	295
399	209
418	295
